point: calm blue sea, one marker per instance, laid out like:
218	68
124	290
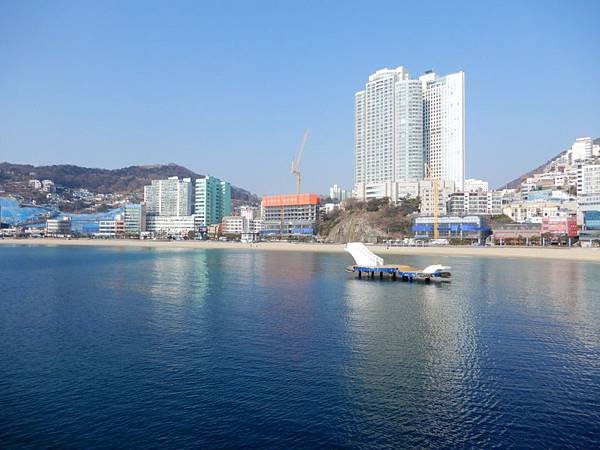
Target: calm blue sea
107	347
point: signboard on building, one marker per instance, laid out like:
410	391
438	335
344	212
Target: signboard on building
290	200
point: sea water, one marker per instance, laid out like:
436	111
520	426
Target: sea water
112	347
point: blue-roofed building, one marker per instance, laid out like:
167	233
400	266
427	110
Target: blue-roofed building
590	232
546	194
473	228
12	214
89	223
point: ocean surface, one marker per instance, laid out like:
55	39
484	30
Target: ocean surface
146	348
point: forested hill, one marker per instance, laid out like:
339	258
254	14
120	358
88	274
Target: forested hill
126	180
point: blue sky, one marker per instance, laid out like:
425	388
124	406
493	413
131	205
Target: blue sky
227	88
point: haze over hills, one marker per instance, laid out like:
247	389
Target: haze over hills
104	181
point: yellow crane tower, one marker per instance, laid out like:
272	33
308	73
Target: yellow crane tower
296	162
435	195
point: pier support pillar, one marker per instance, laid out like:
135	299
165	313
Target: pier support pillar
381	275
359	274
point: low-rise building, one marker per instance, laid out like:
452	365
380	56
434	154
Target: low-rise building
250	212
475	203
588	179
473	184
328	208
546	194
241	225
516	232
134	216
427	195
509	195
292	214
535	211
561	177
561	224
214	230
474	228
233	224
170	225
58	227
582	149
48	186
35	184
590	233
111	228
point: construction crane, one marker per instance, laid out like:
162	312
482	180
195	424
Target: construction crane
296	162
435	195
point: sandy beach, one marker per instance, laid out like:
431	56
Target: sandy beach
574	254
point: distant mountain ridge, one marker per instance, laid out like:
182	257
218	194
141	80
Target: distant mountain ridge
514	184
130	179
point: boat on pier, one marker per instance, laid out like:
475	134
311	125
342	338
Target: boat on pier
371	265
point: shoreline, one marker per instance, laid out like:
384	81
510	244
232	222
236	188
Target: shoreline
567	254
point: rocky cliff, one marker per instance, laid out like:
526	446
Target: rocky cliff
369	222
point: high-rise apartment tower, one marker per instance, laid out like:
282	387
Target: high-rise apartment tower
401	124
170	197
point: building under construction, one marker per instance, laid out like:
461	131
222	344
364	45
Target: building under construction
291	214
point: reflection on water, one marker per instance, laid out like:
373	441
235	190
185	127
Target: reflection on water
211	348
472	344
412	352
180	275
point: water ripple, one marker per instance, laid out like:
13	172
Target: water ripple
225	349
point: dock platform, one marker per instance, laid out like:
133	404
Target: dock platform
370	264
399	272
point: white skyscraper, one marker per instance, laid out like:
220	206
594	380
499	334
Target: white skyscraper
444	126
401	124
